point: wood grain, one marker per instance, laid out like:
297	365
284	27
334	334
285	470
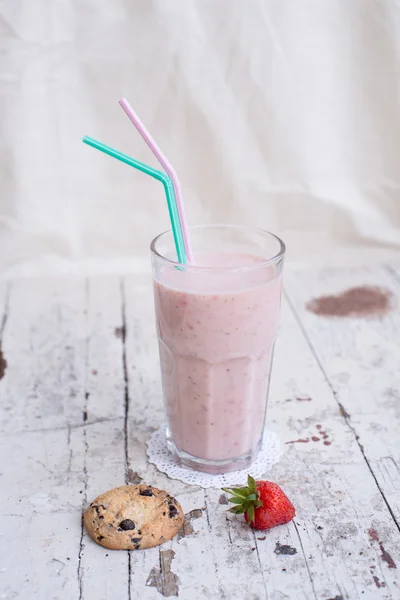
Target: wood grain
81	394
360	359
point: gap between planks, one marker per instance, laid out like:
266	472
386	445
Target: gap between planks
86	448
3	361
126	410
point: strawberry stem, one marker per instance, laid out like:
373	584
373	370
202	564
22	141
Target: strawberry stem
246	499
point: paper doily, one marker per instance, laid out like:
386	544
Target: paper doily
161	457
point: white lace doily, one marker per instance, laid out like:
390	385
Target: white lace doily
161	457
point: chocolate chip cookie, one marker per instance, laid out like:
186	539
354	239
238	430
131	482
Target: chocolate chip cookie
133	517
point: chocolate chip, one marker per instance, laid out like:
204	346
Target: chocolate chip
136	547
172	511
164	513
126	524
146	492
101	517
136	540
139	532
100	537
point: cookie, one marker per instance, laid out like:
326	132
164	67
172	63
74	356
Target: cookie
133	517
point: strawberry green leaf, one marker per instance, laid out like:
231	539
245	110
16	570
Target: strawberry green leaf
251	497
250	514
241	492
236	500
251	482
240	510
237	510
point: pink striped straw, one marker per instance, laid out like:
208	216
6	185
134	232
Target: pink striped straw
168	168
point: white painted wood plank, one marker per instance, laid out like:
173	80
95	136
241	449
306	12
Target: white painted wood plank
40	496
233	550
44	343
41	395
103	573
193	564
105	378
361	359
318	478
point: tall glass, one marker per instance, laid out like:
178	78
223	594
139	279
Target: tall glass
217	322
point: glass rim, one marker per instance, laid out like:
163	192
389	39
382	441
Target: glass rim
193	267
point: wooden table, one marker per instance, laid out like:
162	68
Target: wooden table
80	395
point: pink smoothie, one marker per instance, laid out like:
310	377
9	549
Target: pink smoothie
216	335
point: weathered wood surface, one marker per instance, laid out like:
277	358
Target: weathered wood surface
80	394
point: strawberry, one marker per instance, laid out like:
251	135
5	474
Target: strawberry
263	503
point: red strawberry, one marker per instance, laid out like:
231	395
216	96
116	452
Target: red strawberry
263	503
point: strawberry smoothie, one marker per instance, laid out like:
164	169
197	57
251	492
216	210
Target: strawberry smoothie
216	326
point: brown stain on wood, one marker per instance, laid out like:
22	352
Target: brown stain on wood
363	301
223	499
187	527
324	435
385	556
119	333
3	364
133	477
314	438
343	412
379	584
166	582
373	534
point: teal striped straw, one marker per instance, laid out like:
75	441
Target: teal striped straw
168	188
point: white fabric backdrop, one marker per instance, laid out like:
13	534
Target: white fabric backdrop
279	113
